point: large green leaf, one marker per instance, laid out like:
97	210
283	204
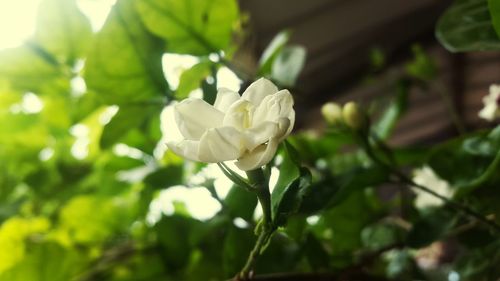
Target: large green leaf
29	68
191	79
197	27
241	203
62	29
467	26
47	262
128	117
124	63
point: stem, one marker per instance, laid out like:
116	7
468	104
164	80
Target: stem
260	184
404	179
245	273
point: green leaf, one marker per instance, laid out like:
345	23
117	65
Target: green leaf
292	197
430	227
316	254
191	79
289	172
241	203
29	68
494	6
398	106
175	236
345	222
124	63
237	244
127	118
334	190
80	219
380	235
422	66
467	26
63	30
468	162
209	91
271	52
47	261
165	177
288	64
197	27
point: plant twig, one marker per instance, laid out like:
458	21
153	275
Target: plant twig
402	178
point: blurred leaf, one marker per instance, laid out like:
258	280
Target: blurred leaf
379	235
13	233
333	190
288	64
422	66
241	203
165	177
467	26
237	243
128	117
191	79
195	27
402	266
398	106
209	91
468	162
341	226
430	227
377	58
494	6
175	236
85	225
47	262
28	68
316	254
124	63
63	30
480	263
271	52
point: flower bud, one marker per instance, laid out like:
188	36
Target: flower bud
353	116
332	113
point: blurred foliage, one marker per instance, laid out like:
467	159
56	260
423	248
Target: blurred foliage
83	168
470	25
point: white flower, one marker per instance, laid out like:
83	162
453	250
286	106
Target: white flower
247	128
425	176
491	109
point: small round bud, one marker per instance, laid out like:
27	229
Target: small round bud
332	113
353	116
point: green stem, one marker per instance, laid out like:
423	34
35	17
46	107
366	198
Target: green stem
260	184
245	273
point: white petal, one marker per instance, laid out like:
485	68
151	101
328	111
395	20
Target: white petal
239	115
187	149
195	116
225	98
259	156
258	90
220	144
260	134
274	107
